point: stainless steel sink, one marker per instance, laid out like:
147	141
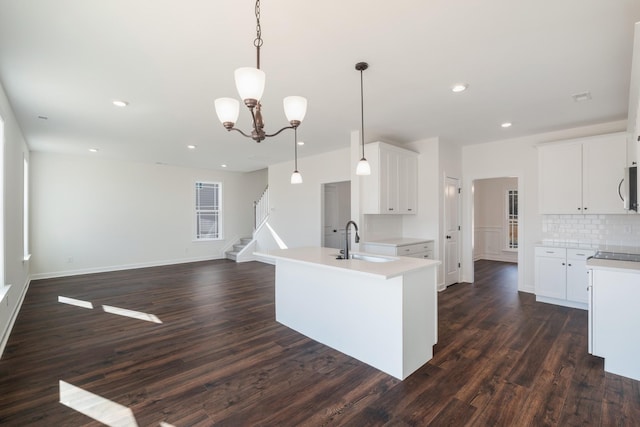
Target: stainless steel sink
372	258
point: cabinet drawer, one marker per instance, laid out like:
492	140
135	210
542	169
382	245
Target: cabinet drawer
423	255
409	250
580	253
551	252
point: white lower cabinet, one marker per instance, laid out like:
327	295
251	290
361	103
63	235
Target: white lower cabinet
561	276
414	250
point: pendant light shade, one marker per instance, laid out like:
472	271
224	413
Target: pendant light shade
250	83
296	177
363	167
227	110
295	108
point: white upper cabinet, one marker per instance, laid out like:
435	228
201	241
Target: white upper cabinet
582	176
392	186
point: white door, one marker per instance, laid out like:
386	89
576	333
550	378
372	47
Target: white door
452	232
337	211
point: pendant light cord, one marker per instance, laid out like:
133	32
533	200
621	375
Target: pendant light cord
362	111
295	147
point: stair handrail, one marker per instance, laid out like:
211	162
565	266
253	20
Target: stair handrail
261	209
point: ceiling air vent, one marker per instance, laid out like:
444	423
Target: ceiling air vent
582	96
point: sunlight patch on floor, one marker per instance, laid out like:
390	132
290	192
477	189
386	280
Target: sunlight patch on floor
76	302
131	313
97	407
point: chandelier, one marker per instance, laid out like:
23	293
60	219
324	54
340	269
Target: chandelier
250	84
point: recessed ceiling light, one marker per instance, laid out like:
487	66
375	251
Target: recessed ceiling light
119	103
224	166
300	142
93	150
460	87
191	147
506	124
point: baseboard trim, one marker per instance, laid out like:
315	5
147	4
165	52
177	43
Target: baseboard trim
14	316
107	269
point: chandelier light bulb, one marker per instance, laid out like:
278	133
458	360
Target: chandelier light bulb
295	108
227	110
250	83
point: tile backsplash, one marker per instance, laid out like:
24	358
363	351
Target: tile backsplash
604	230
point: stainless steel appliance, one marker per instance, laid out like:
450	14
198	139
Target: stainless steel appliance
617	256
628	188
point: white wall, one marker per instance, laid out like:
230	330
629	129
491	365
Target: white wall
517	158
92	214
490	220
296	209
16	269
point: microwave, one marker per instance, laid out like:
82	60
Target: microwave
628	188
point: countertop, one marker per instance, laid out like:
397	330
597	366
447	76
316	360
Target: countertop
595	247
326	257
396	241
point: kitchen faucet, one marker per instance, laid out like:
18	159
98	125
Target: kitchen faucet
346	236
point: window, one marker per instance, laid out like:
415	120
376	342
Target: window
25	213
512	219
208	211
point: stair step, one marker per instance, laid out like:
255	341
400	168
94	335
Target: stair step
238	247
231	255
245	240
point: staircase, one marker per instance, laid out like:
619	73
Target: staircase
260	215
233	254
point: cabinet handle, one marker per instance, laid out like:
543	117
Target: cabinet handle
407	250
585	208
564	263
569	265
390	209
409	209
579	209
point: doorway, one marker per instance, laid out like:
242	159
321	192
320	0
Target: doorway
336	212
495	220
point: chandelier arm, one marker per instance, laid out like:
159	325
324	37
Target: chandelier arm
284	128
243	134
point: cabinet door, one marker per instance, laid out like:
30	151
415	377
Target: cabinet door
577	280
407	184
604	160
388	181
551	277
560	178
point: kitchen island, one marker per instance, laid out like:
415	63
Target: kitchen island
613	314
379	310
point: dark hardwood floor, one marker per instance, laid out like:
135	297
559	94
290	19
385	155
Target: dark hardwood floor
219	357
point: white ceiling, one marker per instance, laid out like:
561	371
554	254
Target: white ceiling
68	59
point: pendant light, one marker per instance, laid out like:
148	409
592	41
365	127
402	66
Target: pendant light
296	177
363	167
250	84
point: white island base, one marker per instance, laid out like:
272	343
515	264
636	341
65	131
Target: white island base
383	314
